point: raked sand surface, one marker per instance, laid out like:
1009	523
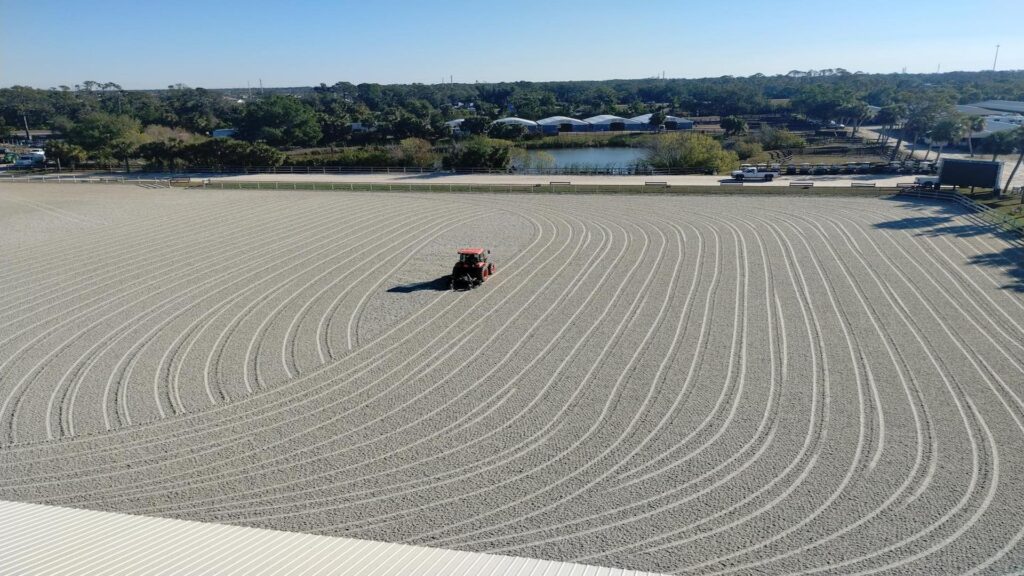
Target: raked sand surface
692	384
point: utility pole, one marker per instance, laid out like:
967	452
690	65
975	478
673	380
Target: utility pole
24	118
996	59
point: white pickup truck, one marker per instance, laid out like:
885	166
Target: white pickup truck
755	173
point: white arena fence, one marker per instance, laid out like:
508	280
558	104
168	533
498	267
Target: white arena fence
985	214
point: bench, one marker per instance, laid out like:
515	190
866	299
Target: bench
801	184
862	185
657	184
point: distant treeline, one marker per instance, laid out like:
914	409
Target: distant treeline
345	114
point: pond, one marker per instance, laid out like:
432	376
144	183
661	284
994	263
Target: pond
588	158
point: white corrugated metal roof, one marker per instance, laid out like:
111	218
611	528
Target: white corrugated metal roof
37	539
604	119
646	119
514	120
560	120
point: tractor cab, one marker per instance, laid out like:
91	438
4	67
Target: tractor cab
472	258
472	269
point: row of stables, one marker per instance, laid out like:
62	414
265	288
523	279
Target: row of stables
600	123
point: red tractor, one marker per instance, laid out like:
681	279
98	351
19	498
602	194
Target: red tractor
472	269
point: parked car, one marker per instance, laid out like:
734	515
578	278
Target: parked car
30	160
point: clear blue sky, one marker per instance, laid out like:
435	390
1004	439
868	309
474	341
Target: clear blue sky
227	43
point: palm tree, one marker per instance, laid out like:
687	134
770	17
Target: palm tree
973	124
946	130
998	143
855	112
899	114
1017	137
931	140
926	125
888	117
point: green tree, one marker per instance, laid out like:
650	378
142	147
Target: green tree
221	153
474	125
657	119
973	124
855	112
162	154
106	137
67	155
196	109
279	121
947	129
691	152
124	149
891	117
733	125
924	109
505	131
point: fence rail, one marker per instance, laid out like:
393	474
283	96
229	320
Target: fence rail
985	214
552	187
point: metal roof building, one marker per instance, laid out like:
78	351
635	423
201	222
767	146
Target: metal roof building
517	121
670	123
555	124
972	110
1012	106
608	122
1000	123
530	125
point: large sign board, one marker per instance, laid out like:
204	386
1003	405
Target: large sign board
979	173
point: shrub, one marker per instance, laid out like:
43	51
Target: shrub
479	152
777	139
692	152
